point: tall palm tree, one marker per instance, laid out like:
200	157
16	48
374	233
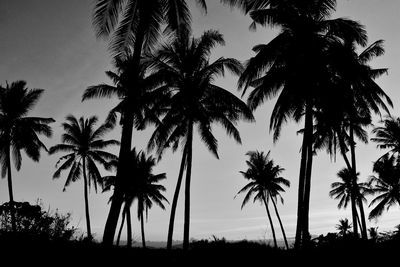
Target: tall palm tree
84	148
344	190
294	65
18	131
195	101
265	183
386	184
134	25
343	227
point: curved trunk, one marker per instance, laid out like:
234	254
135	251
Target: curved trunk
175	200
270	221
357	201
86	195
10	192
300	197
280	223
142	229
124	152
187	188
121	227
129	226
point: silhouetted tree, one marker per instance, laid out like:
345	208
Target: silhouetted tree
196	101
136	25
386	185
84	148
343	227
294	65
18	131
141	186
265	184
148	189
388	136
343	191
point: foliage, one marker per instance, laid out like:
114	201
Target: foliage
33	221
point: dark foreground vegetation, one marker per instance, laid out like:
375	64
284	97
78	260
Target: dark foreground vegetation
46	238
332	252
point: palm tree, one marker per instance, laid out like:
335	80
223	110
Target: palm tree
148	190
388	136
195	101
18	131
344	190
141	186
137	30
84	148
295	66
343	227
265	183
386	184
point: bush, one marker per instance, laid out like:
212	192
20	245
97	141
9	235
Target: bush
32	221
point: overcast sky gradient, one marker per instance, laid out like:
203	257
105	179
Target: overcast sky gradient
51	44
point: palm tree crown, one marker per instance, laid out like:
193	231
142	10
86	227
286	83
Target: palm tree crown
386	185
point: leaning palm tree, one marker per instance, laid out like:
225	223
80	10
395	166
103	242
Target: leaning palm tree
18	131
386	184
343	227
195	101
265	183
147	188
294	65
84	148
134	25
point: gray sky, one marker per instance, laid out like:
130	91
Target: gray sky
51	45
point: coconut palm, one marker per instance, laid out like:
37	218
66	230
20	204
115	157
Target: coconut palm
148	190
18	131
195	101
343	227
388	135
84	148
141	186
344	190
134	25
386	184
265	184
295	66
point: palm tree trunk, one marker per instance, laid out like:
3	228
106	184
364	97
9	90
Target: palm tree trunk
280	223
142	229
121	227
363	229
86	195
125	147
353	204
175	200
187	188
10	192
301	190
307	185
129	226
270	221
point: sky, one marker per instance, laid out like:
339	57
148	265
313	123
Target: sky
51	45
